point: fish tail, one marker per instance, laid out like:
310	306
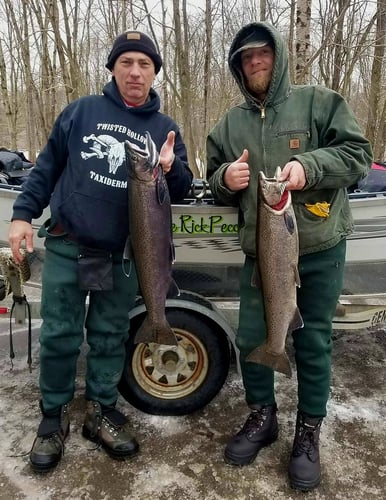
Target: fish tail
278	362
160	333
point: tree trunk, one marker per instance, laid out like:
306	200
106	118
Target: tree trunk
375	129
182	56
302	49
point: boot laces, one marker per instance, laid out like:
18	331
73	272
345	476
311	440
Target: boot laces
306	441
54	436
112	419
254	422
51	437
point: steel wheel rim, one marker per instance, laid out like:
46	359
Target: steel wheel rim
171	372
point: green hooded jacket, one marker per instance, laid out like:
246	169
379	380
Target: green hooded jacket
309	123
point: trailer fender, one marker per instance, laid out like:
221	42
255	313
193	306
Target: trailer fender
191	301
178	380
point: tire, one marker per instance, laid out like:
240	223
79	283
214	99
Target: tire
169	380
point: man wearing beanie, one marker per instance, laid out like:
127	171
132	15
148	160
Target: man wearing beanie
81	175
134	41
313	135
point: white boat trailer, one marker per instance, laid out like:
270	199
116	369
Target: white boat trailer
205	236
353	312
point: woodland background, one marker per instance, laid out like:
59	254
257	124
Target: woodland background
54	51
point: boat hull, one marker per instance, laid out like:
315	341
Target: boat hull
208	254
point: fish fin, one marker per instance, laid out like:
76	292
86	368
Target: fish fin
172	252
297	277
126	273
151	150
162	186
127	257
128	251
159	334
173	291
255	278
127	160
277	173
296	322
278	362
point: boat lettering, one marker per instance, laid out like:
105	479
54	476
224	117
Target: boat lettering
213	224
379	317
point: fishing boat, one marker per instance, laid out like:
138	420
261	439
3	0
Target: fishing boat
208	254
177	380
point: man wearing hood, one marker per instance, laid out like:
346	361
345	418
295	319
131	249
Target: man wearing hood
310	132
81	174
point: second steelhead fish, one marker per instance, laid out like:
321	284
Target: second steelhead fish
277	251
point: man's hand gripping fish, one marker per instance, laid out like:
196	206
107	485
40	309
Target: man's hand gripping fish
277	253
150	242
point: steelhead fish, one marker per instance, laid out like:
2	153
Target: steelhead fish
150	243
277	254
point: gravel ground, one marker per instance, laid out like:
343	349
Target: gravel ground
181	457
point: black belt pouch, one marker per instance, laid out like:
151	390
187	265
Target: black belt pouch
95	269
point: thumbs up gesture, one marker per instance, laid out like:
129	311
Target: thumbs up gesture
236	176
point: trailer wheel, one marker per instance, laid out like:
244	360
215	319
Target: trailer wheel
176	380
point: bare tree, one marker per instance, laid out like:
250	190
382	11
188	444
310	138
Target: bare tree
302	50
182	56
18	16
375	129
9	99
53	51
263	10
291	43
207	64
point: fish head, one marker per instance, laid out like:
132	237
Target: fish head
142	163
272	191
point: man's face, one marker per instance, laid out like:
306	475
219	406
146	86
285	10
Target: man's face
134	73
257	65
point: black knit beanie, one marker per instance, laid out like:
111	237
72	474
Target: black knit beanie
135	41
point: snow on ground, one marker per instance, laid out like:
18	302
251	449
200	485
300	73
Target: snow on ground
181	457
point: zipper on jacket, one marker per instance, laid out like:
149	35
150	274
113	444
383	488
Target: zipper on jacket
263	139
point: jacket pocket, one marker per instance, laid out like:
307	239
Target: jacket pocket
95	223
293	141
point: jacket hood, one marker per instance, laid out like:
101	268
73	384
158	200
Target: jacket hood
280	84
152	105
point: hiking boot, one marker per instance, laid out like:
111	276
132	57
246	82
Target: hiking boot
107	426
304	465
48	447
259	430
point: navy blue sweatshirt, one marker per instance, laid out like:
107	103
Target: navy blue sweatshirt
81	171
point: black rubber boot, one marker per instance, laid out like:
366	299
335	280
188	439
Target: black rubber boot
304	466
48	447
110	428
260	429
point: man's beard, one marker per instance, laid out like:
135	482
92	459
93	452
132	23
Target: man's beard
258	85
